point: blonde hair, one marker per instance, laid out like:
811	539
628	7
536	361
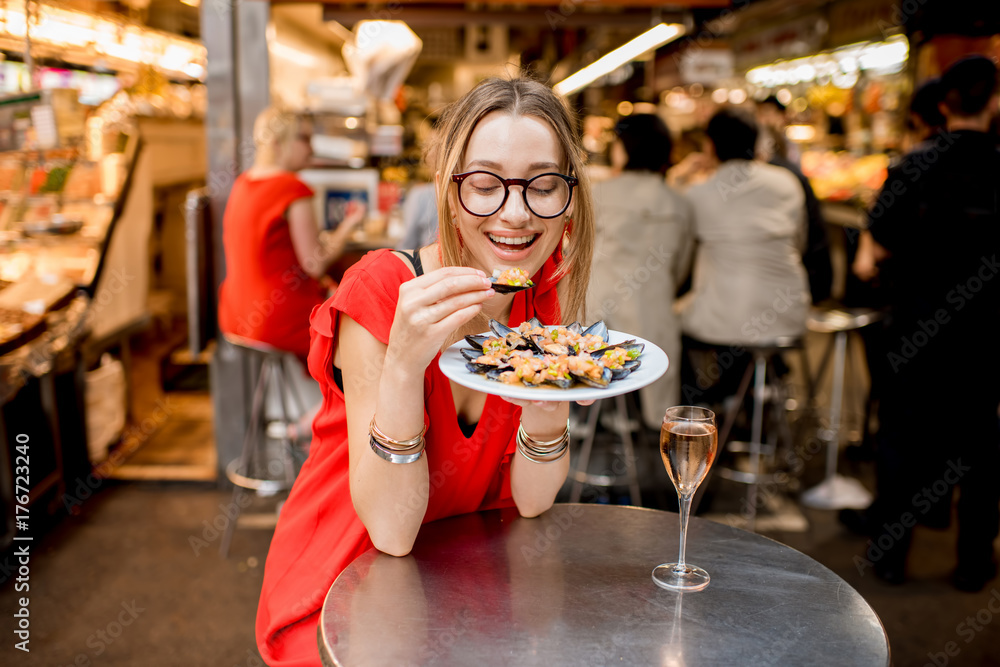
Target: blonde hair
274	130
520	97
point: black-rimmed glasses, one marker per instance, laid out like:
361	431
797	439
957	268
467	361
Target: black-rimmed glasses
483	193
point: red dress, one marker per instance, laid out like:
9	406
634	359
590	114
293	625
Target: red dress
266	296
319	533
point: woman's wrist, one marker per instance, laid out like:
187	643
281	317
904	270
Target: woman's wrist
543	451
544	425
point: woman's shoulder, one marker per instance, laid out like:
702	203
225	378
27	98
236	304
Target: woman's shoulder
268	182
379	270
367	294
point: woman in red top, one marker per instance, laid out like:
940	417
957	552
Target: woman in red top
375	346
276	261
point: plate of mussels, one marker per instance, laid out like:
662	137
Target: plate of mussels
553	363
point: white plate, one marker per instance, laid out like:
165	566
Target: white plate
654	364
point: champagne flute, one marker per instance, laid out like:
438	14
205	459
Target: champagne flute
689	441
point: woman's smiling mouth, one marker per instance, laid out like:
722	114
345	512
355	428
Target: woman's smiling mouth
512	243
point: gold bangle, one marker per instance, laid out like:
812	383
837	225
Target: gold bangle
396	445
542	451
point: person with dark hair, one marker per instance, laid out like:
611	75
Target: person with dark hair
733	135
642	222
923	122
749	285
925	118
937	217
643	142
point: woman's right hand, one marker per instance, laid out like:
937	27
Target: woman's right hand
429	309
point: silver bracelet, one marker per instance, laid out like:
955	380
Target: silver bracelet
539	451
393	457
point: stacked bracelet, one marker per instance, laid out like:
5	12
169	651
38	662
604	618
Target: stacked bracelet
542	451
396	451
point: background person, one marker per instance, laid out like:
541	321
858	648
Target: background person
375	349
772	114
643	226
749	285
276	261
938	219
773	147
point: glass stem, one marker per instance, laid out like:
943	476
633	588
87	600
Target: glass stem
685	507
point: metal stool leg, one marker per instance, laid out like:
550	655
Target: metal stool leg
583	461
784	430
246	455
734	409
631	473
286	444
756	431
293	390
837	492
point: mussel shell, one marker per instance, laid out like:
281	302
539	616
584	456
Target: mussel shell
470	354
477	341
575	327
587	380
598	328
494	373
562	383
500	288
486	368
628	346
623	372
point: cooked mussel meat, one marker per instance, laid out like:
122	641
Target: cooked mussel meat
511	280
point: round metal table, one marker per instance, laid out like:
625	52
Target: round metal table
573	587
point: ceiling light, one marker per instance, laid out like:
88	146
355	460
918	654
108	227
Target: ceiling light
651	39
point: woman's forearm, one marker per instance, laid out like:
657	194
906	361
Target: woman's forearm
391	498
534	485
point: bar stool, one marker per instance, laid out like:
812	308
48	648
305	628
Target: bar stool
616	409
775	393
257	468
837	491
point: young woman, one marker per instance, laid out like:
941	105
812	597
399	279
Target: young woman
397	444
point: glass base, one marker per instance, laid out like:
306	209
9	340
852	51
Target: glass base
676	578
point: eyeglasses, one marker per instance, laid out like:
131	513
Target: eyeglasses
483	193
